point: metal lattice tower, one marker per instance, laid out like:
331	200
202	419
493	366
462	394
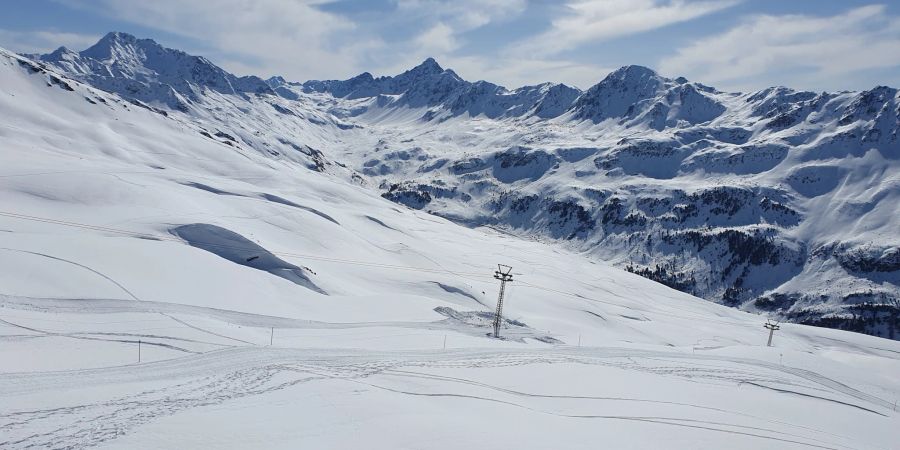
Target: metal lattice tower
504	274
771	327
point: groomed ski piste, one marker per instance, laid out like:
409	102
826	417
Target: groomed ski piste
275	307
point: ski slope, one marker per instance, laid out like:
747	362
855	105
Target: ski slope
276	306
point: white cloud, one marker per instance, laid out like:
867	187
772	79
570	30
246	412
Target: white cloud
44	41
439	39
445	36
592	21
817	52
446	21
443	25
515	72
296	39
509	71
463	15
291	38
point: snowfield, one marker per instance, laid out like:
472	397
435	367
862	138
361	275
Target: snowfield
278	301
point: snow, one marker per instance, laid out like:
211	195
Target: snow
390	349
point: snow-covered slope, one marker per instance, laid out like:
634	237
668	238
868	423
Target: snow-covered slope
273	304
777	201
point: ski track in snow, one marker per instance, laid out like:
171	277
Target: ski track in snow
88	337
224	375
123	288
207	331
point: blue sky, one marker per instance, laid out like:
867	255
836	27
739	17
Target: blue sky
730	44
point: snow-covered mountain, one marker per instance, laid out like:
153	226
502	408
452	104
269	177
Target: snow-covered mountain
775	201
200	94
444	94
216	278
143	70
638	96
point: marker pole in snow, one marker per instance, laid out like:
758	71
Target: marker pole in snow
504	274
139	350
271	335
771	327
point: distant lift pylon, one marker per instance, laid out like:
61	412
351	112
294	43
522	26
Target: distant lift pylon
771	327
504	274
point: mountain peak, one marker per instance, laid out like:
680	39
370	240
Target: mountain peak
117	44
115	39
59	54
143	69
620	94
118	36
428	66
363	77
634	72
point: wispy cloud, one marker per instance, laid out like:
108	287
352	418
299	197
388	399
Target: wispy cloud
511	42
820	52
294	38
437	40
441	33
593	21
443	23
462	15
44	41
299	40
515	72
